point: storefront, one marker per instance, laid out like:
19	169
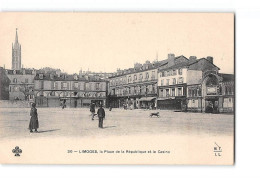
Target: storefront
172	103
147	103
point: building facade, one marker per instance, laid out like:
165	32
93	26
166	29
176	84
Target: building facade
134	87
21	85
4	85
55	89
212	91
180	79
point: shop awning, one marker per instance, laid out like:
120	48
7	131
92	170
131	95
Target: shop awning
147	98
161	99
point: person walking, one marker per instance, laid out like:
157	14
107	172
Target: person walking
34	124
101	115
92	110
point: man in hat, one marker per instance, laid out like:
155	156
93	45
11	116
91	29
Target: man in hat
101	115
92	110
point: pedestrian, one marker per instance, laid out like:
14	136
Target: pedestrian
92	110
101	115
34	124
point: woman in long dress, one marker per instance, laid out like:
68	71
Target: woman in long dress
34	124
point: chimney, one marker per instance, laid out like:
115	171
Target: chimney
171	56
210	59
171	59
193	58
80	74
58	73
137	65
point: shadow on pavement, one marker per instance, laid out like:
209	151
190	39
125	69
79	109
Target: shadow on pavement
48	130
108	127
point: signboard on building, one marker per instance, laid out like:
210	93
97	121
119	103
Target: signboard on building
212	90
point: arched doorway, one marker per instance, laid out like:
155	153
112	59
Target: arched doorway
210	87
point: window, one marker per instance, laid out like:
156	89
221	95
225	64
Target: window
160	74
52	84
164	73
147	75
76	85
153	74
174	72
140	76
173	81
173	91
180	81
162	82
135	77
161	93
26	80
167	93
64	85
97	86
179	91
180	71
167	82
14	80
56	85
195	92
129	79
199	91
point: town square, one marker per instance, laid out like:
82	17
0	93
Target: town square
100	84
76	122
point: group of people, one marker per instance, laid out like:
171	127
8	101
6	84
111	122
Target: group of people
34	123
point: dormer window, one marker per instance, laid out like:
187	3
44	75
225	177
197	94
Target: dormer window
51	76
75	77
14	72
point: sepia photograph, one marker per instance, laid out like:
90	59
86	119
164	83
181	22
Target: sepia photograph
117	88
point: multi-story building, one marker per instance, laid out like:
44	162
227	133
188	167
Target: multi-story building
54	89
210	91
4	85
102	75
134	87
178	75
214	93
21	84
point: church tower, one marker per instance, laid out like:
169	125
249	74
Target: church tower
16	54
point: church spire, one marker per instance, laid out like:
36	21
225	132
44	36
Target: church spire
16	37
16	53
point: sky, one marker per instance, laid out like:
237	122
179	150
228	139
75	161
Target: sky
107	41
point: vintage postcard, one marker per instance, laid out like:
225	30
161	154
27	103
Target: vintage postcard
117	88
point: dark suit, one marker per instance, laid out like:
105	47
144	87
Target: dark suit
101	115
